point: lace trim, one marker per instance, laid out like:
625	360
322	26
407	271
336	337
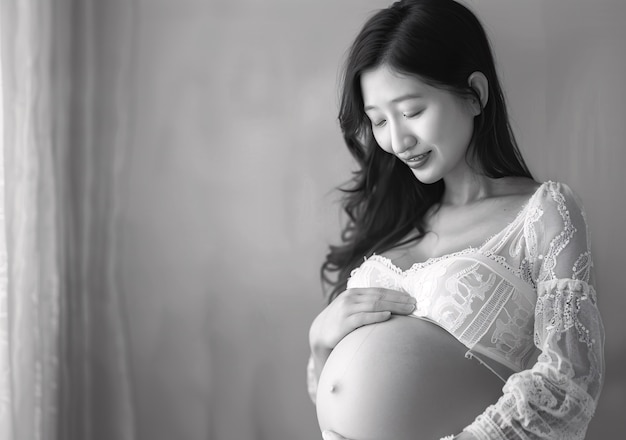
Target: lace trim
500	260
433	260
486	315
484	428
385	262
563	298
532	260
559	242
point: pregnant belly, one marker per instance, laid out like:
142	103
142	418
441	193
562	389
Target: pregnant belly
405	378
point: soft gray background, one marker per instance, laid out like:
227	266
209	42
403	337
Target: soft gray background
234	149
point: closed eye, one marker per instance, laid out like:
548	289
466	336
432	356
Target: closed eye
412	114
380	123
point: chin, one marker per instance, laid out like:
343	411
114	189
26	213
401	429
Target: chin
426	178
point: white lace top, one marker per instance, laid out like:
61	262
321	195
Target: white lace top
523	303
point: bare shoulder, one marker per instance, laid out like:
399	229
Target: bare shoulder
515	186
509	195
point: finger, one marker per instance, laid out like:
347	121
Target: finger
360	319
383	294
330	435
379	305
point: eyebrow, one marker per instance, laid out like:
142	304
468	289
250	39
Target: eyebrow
396	100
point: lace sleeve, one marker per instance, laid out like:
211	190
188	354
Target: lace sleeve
556	398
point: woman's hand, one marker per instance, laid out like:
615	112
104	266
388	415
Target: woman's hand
354	308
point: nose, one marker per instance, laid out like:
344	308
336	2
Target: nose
402	141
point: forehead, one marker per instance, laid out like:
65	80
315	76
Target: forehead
383	85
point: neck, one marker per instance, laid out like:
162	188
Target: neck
466	187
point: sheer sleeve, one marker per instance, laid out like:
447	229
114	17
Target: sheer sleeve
556	398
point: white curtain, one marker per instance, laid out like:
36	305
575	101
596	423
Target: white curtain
64	369
29	242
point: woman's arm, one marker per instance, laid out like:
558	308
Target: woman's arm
556	398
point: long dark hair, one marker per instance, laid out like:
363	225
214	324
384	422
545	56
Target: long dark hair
442	43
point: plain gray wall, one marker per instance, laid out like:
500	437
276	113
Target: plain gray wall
228	206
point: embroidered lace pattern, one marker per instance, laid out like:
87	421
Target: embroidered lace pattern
524	304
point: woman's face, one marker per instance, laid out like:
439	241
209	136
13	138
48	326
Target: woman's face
427	128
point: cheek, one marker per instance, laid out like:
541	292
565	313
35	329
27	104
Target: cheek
464	130
430	129
452	129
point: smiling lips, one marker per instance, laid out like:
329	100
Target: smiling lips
418	161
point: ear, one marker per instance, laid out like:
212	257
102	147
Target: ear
478	82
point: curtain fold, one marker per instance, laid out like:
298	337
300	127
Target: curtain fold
30	276
64	350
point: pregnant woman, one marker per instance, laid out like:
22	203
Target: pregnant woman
461	301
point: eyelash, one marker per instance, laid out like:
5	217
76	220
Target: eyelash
405	115
412	115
